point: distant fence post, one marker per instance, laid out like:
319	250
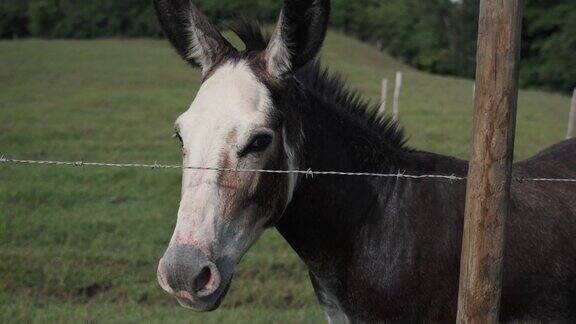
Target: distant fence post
397	91
572	118
382	109
489	177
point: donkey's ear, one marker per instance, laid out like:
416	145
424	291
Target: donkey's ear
193	36
298	37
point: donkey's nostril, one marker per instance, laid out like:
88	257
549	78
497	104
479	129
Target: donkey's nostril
203	279
207	281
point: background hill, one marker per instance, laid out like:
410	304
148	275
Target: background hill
82	244
432	35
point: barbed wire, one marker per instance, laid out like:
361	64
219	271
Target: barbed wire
307	173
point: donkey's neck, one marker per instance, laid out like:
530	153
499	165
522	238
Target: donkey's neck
332	220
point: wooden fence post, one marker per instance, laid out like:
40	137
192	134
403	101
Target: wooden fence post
397	91
382	109
572	118
489	177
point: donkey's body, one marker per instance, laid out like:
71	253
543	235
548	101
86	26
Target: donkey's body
378	249
389	249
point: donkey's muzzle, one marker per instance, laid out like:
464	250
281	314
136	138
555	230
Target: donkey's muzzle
186	273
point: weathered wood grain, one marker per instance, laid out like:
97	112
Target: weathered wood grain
488	188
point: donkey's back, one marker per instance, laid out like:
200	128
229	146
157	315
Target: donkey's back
540	257
560	157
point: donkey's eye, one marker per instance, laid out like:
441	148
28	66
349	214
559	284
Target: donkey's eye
258	143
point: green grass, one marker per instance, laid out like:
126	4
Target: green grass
81	245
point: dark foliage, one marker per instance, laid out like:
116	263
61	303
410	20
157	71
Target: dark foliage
549	44
89	19
432	35
14	19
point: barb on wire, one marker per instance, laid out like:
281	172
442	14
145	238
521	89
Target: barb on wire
307	173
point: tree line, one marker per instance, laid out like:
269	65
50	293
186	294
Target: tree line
432	35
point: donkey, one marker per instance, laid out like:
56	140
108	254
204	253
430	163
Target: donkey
377	249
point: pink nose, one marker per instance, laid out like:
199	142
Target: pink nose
187	274
162	280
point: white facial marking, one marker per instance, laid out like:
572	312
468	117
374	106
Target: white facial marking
230	105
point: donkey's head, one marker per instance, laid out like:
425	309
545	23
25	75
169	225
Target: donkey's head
238	120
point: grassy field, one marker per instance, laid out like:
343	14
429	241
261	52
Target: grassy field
81	245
